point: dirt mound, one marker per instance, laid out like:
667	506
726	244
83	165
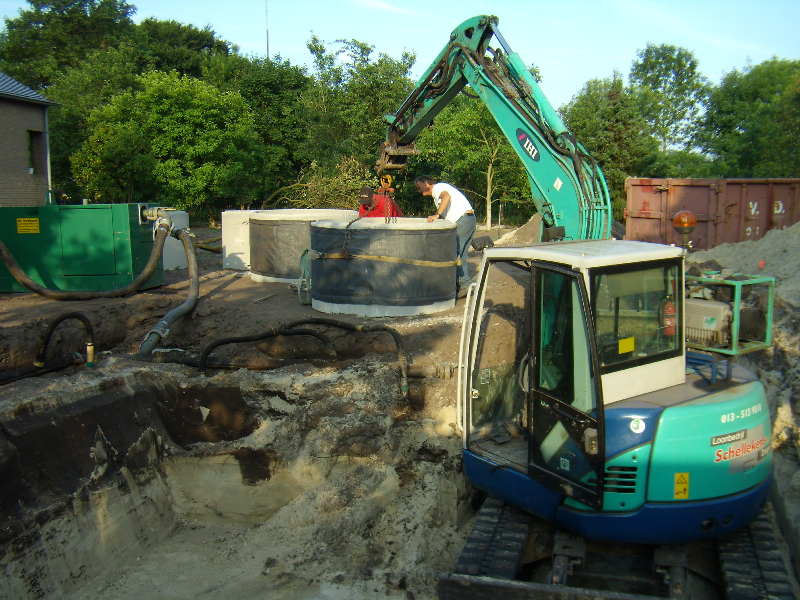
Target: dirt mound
776	255
530	233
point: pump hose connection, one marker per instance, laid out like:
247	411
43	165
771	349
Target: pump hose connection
42	365
40	358
161	330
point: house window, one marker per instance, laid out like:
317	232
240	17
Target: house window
37	156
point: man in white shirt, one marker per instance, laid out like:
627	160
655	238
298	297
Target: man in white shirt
453	206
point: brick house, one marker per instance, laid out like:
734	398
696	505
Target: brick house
24	148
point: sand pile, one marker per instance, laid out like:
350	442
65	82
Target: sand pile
778	249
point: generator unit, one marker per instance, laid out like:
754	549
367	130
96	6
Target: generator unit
93	247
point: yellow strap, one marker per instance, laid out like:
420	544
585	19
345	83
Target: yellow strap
405	261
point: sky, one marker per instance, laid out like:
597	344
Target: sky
570	41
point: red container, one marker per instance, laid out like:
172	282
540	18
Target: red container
727	210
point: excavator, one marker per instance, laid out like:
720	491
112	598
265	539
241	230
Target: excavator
597	390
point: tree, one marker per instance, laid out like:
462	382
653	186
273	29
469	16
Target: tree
272	90
347	99
101	76
748	123
50	37
178	141
169	45
671	91
605	118
783	158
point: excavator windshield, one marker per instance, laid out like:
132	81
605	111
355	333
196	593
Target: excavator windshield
636	314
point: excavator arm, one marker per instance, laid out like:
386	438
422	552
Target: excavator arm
567	185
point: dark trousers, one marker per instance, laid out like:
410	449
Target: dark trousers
465	229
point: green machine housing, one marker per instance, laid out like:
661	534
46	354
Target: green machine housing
93	247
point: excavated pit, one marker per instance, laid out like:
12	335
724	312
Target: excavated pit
141	481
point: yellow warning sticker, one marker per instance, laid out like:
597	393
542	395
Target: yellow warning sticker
626	345
681	486
30	225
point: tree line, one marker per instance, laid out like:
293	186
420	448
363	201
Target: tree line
168	112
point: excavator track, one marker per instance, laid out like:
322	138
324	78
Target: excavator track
751	565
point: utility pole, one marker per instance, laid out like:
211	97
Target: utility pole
266	8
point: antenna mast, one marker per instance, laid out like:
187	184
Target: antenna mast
266	9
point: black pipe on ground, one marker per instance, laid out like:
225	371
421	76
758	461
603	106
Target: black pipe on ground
161	330
40	358
252	364
54	364
258	338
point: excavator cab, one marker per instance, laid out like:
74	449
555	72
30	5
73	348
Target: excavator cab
535	400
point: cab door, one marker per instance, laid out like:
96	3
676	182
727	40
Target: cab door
567	450
531	394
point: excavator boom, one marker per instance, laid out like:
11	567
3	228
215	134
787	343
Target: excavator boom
567	185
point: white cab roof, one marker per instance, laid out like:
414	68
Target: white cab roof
586	254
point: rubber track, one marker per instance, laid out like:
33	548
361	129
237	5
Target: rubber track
751	563
494	547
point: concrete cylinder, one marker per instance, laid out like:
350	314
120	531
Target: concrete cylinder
405	267
279	237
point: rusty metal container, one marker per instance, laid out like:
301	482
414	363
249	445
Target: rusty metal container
727	210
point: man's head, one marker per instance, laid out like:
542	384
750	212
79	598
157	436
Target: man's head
365	195
424	185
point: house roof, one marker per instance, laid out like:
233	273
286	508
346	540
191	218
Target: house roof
13	89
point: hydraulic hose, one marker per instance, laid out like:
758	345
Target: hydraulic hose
161	330
39	361
54	364
163	227
257	338
398	340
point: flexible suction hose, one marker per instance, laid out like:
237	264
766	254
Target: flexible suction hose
39	361
258	338
162	231
161	330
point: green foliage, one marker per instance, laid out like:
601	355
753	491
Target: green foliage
321	188
272	90
350	93
178	141
50	37
671	91
101	76
169	45
606	119
750	125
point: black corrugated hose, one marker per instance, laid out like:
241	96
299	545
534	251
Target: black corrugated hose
41	365
258	338
398	340
290	330
54	364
